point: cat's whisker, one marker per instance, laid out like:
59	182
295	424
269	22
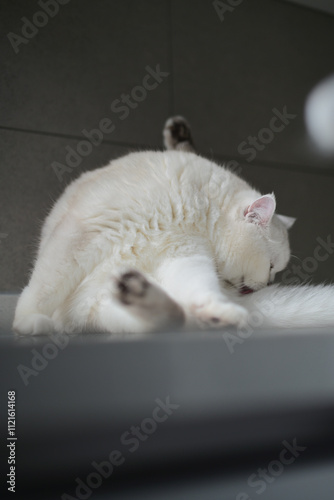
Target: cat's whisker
295	257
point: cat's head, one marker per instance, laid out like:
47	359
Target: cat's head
258	247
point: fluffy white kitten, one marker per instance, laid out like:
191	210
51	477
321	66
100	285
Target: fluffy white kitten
156	238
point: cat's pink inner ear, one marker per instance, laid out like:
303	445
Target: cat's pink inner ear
261	210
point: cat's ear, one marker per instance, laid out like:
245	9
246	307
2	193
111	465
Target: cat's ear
261	210
287	221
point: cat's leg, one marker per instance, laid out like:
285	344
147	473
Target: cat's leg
192	281
177	134
147	301
126	302
29	319
56	273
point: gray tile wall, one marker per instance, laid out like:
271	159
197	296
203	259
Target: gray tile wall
225	76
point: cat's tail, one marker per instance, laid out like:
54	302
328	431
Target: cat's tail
177	134
291	307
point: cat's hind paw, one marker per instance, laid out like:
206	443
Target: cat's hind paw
147	300
177	134
132	288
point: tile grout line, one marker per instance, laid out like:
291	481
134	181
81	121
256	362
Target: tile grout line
75	137
290	167
327	171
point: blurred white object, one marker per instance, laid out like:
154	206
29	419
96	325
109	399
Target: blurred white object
319	115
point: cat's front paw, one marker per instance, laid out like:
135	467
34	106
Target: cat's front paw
33	324
219	314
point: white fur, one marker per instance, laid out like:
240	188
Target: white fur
186	223
292	306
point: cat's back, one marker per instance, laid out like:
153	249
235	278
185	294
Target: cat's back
166	187
137	177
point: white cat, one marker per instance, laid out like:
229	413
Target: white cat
160	238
